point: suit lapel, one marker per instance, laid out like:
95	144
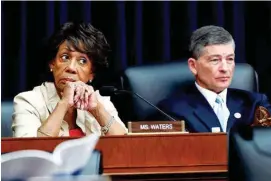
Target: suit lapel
51	99
234	105
50	95
203	111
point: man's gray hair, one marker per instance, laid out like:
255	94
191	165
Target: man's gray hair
208	35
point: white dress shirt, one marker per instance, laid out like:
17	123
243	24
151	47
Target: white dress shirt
211	96
32	108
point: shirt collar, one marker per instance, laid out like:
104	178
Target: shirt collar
210	96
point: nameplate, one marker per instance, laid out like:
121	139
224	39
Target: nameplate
156	126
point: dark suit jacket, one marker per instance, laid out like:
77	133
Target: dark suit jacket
192	107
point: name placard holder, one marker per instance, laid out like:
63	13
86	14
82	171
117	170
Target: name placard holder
156	127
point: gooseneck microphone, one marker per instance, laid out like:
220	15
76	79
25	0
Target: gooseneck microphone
109	90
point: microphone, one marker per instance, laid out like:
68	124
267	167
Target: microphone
109	90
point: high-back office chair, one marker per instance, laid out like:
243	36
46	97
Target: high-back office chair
95	164
6	118
249	156
156	82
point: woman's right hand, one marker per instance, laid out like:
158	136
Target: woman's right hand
68	93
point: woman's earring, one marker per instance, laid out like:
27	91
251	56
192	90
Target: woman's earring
89	82
51	70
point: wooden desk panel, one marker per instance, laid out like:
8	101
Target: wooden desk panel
147	154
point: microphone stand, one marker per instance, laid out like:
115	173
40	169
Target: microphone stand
155	107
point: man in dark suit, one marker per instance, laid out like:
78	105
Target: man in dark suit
209	105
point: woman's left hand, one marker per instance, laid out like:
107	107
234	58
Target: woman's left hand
85	97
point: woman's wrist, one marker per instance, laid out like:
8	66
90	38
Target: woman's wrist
100	114
97	110
64	104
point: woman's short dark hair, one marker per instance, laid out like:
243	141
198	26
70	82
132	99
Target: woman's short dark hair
84	38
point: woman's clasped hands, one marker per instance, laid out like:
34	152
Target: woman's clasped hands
80	95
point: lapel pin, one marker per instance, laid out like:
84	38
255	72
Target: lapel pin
237	115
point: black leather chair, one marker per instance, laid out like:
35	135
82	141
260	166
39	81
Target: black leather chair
249	156
156	82
94	165
6	118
